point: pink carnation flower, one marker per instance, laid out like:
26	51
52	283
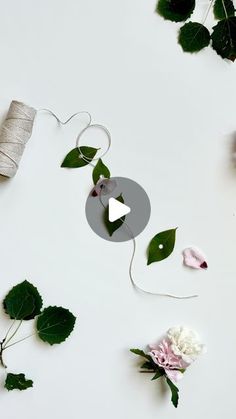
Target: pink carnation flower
164	357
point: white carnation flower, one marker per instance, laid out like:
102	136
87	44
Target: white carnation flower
185	343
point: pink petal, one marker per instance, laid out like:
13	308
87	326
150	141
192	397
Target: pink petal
194	258
174	375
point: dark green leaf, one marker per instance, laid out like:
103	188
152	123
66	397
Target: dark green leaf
161	246
158	374
193	37
17	382
74	159
223	9
141	353
100	170
174	392
23	302
55	324
147	366
175	10
113	226
224	38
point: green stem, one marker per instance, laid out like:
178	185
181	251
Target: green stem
14	333
18	341
1	357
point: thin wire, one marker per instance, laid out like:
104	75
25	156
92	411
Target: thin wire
89	125
178	297
208	11
70	118
108	134
89	161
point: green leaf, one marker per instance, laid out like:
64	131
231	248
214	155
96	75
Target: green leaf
224	38
223	9
17	382
55	324
139	352
113	226
73	159
100	170
174	392
175	10
161	246
23	302
158	374
193	37
147	366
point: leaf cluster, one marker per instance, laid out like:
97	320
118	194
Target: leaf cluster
53	324
149	366
194	36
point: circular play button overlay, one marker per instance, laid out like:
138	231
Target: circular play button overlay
117	209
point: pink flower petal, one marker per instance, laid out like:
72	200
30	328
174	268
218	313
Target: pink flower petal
194	258
174	375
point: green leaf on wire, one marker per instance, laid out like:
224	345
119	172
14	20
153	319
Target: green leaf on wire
161	246
175	10
174	392
75	158
17	382
23	302
193	37
224	38
223	9
113	226
100	170
55	324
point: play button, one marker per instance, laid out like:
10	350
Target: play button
116	209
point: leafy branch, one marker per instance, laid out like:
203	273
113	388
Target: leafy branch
150	367
194	36
53	325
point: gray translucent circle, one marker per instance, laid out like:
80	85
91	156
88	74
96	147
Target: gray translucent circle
134	196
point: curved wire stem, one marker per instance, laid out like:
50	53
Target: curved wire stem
134	284
69	119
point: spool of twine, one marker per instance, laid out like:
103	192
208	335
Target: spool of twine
14	134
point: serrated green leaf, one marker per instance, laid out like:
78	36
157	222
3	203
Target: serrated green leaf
175	10
174	392
23	302
141	353
193	37
224	38
223	9
161	246
17	382
113	226
74	159
100	170
55	324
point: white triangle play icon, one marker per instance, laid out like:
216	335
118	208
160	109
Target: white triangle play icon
116	210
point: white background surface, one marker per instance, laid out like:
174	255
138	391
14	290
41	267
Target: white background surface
172	118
